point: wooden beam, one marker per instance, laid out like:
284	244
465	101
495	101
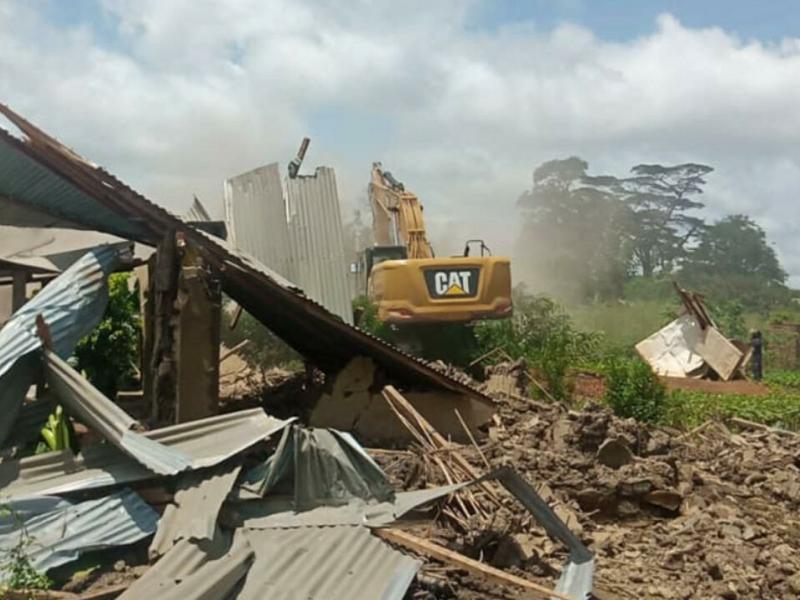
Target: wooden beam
407	410
445	555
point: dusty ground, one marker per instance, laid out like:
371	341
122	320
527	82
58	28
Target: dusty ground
741	386
709	515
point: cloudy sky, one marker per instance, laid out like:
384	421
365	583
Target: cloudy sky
461	100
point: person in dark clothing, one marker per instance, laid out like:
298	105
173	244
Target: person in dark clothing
756	361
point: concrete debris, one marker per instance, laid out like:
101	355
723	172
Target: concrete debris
614	454
430	511
692	516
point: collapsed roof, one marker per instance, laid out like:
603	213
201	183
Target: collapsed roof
45	184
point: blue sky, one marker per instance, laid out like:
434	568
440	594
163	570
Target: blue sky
620	20
462	100
616	20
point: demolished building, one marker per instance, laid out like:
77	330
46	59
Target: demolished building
235	507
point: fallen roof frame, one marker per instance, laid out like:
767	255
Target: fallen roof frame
305	325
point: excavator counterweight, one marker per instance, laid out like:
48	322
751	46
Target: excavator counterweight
409	284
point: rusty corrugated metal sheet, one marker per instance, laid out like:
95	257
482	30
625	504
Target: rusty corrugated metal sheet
305	325
316	239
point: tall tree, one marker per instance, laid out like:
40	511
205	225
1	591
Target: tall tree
661	199
734	261
572	243
736	246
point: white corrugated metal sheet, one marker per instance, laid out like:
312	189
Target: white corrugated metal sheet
298	235
317	241
255	214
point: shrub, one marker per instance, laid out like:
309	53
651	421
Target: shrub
109	353
366	313
687	409
633	390
544	335
15	564
264	349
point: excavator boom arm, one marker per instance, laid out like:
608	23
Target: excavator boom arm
397	215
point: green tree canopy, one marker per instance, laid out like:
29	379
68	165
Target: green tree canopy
661	199
573	239
733	260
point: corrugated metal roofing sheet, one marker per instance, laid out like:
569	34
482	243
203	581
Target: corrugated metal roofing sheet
71	305
327	563
197	212
255	214
117	209
325	468
299	236
196	570
207	441
278	512
193	516
30	184
64	532
316	256
103	416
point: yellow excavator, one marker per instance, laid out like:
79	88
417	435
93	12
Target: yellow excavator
409	284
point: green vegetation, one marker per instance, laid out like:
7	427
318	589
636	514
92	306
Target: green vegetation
590	239
56	432
781	408
264	349
632	390
108	355
15	565
544	335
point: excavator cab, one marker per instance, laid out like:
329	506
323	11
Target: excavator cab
377	254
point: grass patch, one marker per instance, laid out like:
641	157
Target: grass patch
623	325
685	409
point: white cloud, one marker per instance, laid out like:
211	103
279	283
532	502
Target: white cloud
195	91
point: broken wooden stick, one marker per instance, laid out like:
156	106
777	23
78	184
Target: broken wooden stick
472	439
234	350
745	424
410	415
435	551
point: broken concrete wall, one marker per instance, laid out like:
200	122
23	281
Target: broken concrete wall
354	403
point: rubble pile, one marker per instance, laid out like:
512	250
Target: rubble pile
706	514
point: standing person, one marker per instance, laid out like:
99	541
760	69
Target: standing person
757	344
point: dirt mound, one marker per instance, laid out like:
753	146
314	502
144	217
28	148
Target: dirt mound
712	514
